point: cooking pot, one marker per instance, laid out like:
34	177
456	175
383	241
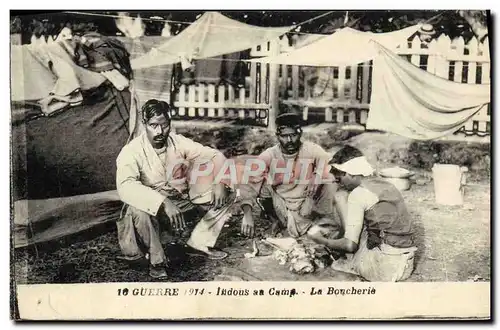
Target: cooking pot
399	177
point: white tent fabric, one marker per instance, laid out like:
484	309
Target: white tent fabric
344	47
40	70
212	35
414	103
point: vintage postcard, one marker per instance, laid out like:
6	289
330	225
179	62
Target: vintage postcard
250	165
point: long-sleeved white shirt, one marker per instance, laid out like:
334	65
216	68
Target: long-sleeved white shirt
142	175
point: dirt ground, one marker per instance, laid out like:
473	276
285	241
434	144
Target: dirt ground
453	243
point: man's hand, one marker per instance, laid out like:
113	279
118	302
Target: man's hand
247	224
174	215
220	195
317	231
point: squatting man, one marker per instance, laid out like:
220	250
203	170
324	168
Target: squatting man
295	195
155	194
338	209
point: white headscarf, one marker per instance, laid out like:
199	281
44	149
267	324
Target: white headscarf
356	166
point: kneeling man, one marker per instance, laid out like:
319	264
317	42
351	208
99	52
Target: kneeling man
378	230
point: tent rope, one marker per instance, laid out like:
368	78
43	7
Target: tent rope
118	16
313	19
189	23
32	233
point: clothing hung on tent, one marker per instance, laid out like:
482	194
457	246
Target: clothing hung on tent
56	73
213	34
225	68
106	55
414	103
344	47
99	53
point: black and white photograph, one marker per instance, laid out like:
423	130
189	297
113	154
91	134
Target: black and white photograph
202	154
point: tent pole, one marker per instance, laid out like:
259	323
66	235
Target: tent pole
273	86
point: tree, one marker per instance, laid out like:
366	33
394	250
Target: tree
477	20
451	23
15	25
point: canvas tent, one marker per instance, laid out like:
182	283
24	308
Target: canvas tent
346	46
41	70
59	162
63	162
421	106
213	34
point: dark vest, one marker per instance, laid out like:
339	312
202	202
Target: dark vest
387	221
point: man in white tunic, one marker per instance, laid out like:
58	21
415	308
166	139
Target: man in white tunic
151	178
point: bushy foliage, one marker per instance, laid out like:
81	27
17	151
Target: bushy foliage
448	22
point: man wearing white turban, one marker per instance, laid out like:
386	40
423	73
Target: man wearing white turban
378	230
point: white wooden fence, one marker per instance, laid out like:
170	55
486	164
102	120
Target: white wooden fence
228	102
218	102
454	60
349	87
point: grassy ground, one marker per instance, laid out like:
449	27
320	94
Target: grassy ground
454	242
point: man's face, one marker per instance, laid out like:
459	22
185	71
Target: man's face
289	140
349	182
346	181
158	129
